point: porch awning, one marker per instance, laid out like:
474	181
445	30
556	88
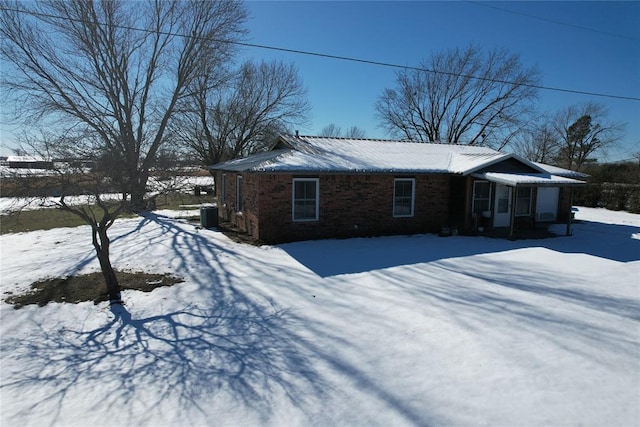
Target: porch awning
528	179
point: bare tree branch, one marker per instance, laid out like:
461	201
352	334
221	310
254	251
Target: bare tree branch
239	115
477	99
115	68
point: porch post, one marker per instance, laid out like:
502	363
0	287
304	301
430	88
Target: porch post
513	211
570	211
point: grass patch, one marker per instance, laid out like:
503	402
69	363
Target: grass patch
87	287
41	219
49	218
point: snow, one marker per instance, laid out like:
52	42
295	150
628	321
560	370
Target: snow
308	153
403	331
325	154
514	179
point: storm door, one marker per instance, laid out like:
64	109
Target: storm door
502	209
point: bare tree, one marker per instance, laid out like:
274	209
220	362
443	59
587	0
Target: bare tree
83	186
109	75
460	97
225	119
539	144
583	130
116	69
332	130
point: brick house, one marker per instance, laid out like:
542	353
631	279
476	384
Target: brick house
317	187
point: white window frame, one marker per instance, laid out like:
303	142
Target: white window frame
413	197
293	199
488	199
239	205
518	199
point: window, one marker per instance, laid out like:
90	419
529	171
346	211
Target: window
403	197
503	199
223	189
481	197
239	193
523	201
306	200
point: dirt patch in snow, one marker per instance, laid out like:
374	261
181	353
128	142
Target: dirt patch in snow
87	287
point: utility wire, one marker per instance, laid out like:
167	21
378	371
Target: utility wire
450	73
337	57
553	21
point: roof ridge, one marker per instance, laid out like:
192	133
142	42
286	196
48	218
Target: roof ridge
404	141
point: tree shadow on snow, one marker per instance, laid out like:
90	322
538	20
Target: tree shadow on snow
226	345
327	258
187	357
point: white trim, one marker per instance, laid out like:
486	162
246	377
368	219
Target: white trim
527	179
413	197
293	200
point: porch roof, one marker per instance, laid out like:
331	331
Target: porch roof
528	179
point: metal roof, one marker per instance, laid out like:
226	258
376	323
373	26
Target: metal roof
528	179
348	155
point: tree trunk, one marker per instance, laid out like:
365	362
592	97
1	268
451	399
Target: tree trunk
138	190
101	244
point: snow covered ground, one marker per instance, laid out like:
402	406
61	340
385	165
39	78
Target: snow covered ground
391	331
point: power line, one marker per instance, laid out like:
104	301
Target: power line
340	57
553	21
450	73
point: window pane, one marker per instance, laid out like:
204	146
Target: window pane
403	188
523	201
403	197
503	205
305	199
522	206
305	189
305	209
481	196
403	207
524	192
481	190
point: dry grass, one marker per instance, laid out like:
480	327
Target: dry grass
87	287
47	219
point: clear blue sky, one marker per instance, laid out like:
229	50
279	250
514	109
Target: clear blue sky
605	59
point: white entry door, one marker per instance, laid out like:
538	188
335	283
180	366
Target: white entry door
502	209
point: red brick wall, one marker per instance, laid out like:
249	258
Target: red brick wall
350	205
247	220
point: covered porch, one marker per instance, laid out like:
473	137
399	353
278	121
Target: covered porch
520	205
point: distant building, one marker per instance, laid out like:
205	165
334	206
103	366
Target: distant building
28	162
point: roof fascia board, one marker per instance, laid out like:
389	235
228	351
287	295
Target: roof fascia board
494	179
528	163
505	156
508	183
282	142
485	164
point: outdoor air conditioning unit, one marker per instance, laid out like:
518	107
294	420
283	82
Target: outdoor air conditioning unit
545	216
